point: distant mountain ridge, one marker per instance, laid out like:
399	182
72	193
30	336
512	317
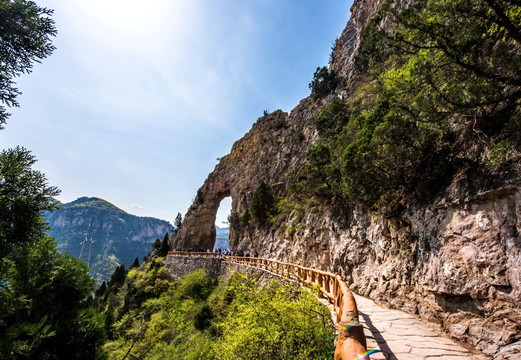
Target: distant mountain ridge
118	237
222	238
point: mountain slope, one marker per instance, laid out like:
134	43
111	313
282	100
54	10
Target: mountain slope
221	238
118	237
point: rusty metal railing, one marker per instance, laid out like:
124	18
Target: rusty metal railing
351	342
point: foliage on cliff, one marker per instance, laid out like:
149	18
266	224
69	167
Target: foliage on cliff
155	317
438	84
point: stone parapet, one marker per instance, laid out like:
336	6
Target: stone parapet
182	265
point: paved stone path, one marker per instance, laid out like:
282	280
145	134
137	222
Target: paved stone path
401	336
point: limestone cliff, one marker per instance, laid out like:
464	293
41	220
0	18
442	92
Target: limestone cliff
118	237
454	258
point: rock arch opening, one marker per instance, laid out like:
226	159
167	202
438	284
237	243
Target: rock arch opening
221	224
224	211
198	230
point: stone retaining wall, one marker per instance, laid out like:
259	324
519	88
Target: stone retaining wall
215	267
182	265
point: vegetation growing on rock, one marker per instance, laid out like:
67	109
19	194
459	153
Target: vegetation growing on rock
434	80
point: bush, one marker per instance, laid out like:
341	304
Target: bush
196	286
275	322
203	317
196	319
262	202
324	81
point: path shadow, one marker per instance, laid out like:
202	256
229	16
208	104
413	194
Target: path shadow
382	344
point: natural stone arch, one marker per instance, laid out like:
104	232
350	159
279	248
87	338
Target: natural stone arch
271	152
198	228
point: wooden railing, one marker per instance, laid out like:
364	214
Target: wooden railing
351	343
195	253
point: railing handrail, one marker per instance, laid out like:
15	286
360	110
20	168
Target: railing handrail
351	342
194	253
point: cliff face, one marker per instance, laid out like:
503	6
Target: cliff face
272	151
454	259
118	237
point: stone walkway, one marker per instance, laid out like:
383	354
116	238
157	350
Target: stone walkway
405	337
401	336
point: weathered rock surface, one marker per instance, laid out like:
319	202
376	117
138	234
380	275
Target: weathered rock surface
180	266
454	260
272	151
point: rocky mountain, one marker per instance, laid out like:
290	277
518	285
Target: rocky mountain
222	238
398	181
118	237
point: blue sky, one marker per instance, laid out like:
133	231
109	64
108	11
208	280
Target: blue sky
141	98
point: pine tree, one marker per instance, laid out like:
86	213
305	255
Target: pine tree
135	264
178	221
164	248
26	38
262	202
118	277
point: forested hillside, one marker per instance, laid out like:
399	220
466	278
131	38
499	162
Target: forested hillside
150	315
118	237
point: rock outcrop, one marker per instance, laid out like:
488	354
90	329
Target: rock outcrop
272	151
454	259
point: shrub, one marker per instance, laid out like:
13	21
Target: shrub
262	202
324	81
234	219
196	319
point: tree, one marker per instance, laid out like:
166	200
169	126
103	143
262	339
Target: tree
199	197
46	307
118	278
101	290
262	202
234	220
324	81
332	119
178	221
26	31
445	75
24	195
245	218
164	248
135	264
45	296
447	58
